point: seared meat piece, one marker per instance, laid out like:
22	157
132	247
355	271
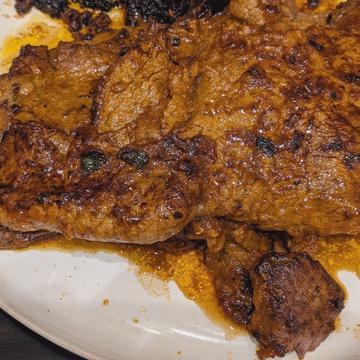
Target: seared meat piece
281	105
230	269
259	12
281	109
233	288
92	190
55	87
16	240
262	119
251	115
287	300
282	150
296	303
145	96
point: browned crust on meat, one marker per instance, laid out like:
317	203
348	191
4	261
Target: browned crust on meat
296	304
16	240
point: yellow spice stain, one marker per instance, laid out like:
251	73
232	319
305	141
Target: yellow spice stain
338	324
106	302
190	274
117	16
36	32
152	284
229	356
334	254
356	332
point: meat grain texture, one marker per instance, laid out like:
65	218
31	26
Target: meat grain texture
251	116
249	121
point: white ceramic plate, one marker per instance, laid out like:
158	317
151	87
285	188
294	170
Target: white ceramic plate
60	296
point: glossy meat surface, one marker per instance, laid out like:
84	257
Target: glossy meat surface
105	193
16	240
296	303
286	300
222	128
230	270
54	87
253	118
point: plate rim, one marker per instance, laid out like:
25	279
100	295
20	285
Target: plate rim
19	315
56	339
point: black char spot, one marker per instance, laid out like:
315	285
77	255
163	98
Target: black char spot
349	160
312	4
92	161
178	215
135	157
315	45
175	41
352	78
52	7
188	167
267	147
336	145
296	141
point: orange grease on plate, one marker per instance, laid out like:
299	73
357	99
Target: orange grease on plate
191	276
334	254
36	32
186	270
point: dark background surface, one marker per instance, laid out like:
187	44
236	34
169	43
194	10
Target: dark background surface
17	342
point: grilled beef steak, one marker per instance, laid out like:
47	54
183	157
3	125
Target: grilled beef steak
219	128
252	122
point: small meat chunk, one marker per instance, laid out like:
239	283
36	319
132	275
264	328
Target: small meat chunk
232	287
15	240
296	303
178	244
230	269
55	86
